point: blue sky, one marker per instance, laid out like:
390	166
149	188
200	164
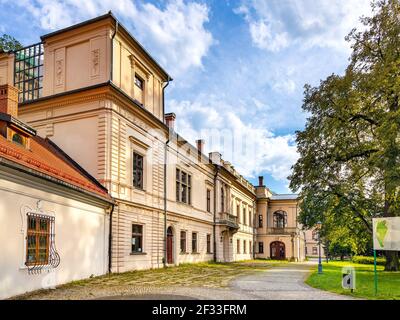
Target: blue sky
239	67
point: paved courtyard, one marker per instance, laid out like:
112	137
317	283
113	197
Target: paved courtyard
281	282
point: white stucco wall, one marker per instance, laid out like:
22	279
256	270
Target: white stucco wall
81	239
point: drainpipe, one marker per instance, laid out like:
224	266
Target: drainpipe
110	240
165	203
215	212
165	175
163	95
112	49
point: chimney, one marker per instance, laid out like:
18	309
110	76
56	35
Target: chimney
215	158
170	120
261	181
200	145
9	100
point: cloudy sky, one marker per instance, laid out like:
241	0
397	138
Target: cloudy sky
239	67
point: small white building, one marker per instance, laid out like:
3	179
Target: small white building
54	217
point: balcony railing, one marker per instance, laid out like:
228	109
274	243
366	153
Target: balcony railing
282	231
228	220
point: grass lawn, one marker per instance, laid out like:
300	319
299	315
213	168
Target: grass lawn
331	280
206	275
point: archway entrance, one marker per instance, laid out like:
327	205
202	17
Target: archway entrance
278	251
170	245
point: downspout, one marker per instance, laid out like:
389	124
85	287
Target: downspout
165	177
215	212
255	224
112	49
110	240
165	203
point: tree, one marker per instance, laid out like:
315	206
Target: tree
349	165
9	43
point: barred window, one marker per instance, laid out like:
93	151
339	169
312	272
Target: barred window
183	187
137	170
38	239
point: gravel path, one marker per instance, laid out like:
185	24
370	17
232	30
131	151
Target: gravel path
279	283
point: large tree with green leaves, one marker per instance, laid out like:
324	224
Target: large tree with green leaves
9	43
349	166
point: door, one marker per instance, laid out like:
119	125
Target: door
278	251
170	243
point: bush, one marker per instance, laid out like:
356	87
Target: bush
368	260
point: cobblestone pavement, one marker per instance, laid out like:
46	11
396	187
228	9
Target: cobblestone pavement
279	283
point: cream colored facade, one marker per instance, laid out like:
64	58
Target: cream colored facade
102	103
81	225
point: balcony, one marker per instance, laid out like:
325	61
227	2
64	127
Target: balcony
228	220
282	231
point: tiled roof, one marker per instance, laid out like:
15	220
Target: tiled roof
43	156
284	197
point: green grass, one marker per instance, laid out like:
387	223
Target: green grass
331	280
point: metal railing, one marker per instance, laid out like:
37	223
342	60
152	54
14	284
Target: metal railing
228	219
282	231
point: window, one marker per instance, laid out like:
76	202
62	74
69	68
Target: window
137	171
18	139
244	246
208	243
137	238
251	246
28	72
183	187
244	216
183	242
208	200
139	89
238	211
38	240
139	82
250	219
237	246
280	219
306	251
260	221
315	235
315	250
194	242
261	247
222	200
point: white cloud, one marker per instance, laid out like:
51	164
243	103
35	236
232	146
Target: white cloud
275	24
251	148
175	34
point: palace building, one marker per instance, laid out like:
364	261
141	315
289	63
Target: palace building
87	149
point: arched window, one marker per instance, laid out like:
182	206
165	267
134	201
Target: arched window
280	219
17	139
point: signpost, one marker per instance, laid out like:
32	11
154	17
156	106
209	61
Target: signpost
386	237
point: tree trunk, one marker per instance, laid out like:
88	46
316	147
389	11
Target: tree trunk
392	261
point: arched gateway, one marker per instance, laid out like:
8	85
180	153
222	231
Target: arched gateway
278	251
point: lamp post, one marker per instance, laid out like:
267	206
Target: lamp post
319	225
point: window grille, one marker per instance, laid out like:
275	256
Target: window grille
28	72
41	252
